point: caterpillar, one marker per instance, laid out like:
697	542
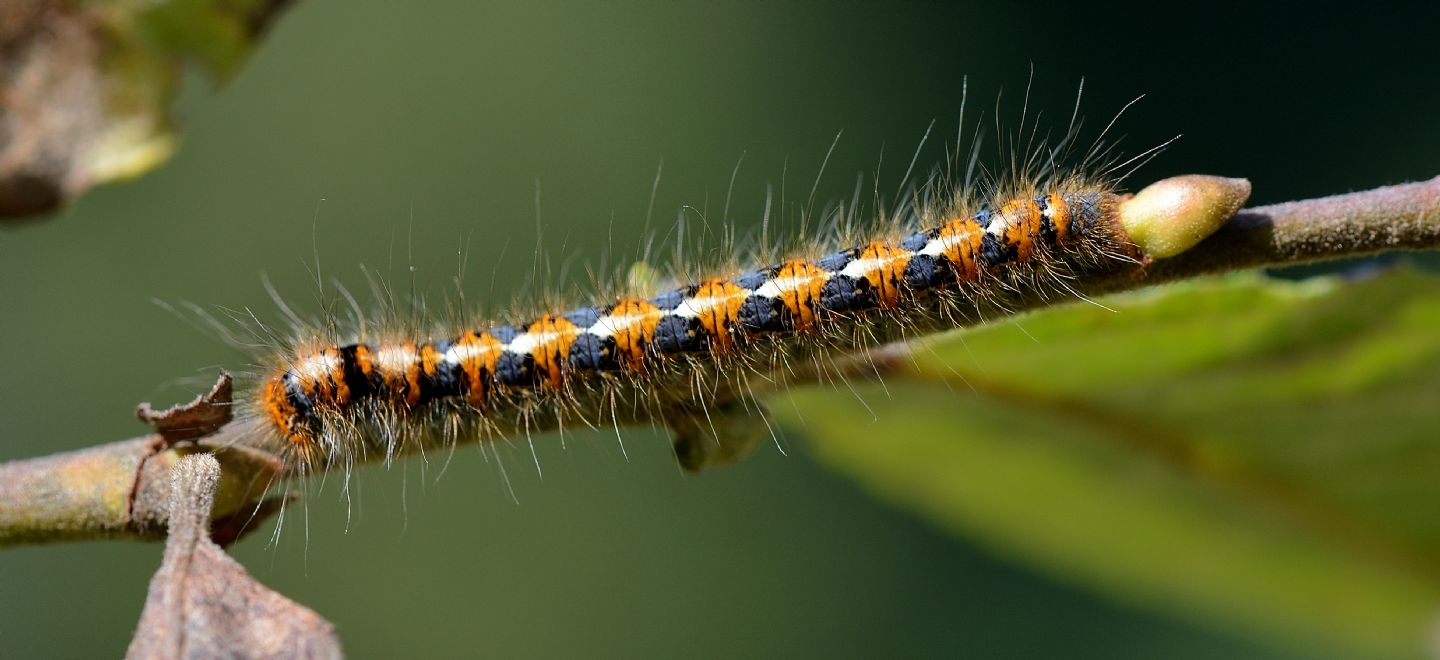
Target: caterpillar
690	356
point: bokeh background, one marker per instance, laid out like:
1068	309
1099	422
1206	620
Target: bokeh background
385	135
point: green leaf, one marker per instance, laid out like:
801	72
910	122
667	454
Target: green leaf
1256	454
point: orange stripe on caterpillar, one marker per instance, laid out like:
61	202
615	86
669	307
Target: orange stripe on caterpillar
1022	226
554	336
716	305
322	377
961	240
886	271
801	295
398	368
1058	210
277	406
476	355
631	323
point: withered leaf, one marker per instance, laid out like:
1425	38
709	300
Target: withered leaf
194	420
202	603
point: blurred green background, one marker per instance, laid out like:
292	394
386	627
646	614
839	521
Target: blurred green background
396	134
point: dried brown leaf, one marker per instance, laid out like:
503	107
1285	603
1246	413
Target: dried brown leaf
86	87
197	419
202	603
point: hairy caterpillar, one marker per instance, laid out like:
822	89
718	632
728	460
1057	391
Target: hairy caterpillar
692	356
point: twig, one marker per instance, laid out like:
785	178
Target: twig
122	490
117	490
1402	217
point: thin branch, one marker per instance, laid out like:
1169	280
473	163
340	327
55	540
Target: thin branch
118	489
1402	217
122	490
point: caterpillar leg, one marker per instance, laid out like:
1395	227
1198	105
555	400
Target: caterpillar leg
720	435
